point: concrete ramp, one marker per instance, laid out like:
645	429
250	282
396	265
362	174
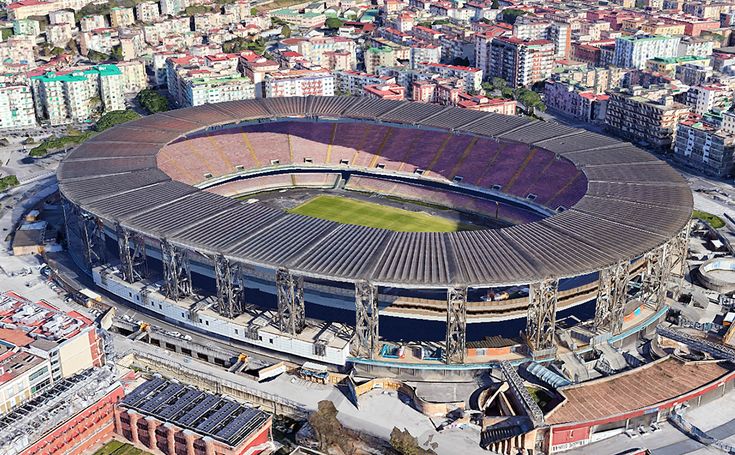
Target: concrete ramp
615	360
574	368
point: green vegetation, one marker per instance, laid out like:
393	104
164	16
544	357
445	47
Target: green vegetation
244	44
511	14
333	22
6	33
119	448
8	181
97	57
104	8
713	220
193	10
285	31
153	101
113	118
329	430
361	213
528	98
75	137
54	144
406	444
541	397
276	5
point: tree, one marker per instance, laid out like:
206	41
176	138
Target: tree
499	83
113	118
329	430
511	14
285	31
97	57
116	53
333	22
236	45
153	101
405	444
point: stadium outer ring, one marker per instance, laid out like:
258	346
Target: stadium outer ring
630	186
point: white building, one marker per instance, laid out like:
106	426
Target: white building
58	35
299	83
16	107
121	17
146	11
75	96
634	51
92	22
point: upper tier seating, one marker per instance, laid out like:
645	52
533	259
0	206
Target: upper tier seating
512	168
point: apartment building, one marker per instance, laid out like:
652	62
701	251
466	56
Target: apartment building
520	62
635	50
706	144
471	77
78	94
193	81
385	91
648	116
354	82
16	106
40	345
299	83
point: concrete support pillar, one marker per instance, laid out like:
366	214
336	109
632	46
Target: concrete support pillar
190	438
134	417
209	445
170	435
118	423
152	426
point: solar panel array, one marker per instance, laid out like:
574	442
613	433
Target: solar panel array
115	176
188	408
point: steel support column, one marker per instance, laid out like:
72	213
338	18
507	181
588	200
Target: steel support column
456	325
133	259
91	234
176	271
611	298
290	292
655	277
230	287
678	251
366	319
541	320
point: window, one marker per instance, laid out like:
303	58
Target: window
380	166
457	179
239	167
419	171
344	162
496	187
531	197
207	175
308	160
274	162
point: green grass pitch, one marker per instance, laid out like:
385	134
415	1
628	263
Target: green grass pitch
353	211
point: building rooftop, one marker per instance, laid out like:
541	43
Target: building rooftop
201	412
39	320
636	389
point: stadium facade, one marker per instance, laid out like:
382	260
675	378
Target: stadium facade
580	229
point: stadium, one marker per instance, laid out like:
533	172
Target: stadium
378	233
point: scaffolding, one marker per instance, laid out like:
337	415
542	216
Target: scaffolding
456	325
366	318
133	259
230	287
176	271
290	293
612	292
541	320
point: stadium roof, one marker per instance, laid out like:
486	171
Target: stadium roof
634	202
